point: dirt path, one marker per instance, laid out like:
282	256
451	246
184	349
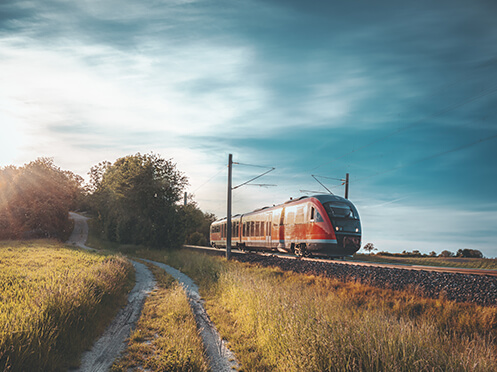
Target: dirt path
112	342
80	232
106	349
220	357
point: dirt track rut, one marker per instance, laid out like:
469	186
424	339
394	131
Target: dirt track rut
110	345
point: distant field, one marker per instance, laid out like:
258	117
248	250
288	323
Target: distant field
54	301
470	263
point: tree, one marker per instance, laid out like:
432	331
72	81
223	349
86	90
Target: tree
446	254
196	224
470	253
35	200
136	198
369	247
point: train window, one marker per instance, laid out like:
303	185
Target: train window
340	210
318	217
312	213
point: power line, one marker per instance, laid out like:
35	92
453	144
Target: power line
449	108
206	182
253	179
431	157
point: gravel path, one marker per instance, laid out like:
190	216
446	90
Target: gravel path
106	349
80	232
220	357
480	289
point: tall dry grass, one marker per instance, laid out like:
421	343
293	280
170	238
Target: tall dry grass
54	301
279	321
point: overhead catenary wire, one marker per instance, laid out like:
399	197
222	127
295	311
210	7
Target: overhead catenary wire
210	179
253	179
484	93
459	148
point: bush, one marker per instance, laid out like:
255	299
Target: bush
471	253
446	254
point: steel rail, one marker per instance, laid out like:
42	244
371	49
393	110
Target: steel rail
455	270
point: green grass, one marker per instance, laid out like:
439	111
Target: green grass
166	336
279	321
460	262
54	301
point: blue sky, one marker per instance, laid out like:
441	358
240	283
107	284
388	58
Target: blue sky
400	95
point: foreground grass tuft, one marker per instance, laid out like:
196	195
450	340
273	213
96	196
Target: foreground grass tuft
166	336
54	301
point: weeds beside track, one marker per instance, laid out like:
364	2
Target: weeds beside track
281	321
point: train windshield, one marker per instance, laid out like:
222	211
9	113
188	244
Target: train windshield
340	210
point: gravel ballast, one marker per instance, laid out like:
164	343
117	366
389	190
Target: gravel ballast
480	289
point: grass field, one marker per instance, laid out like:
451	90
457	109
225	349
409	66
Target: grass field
278	321
461	262
166	336
54	301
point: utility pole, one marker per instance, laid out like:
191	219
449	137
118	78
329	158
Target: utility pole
347	186
228	219
186	198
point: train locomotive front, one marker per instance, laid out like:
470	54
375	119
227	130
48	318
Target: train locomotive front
321	225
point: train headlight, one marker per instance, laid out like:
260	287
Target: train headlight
357	229
338	228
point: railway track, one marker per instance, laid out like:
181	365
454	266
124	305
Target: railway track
440	269
456	284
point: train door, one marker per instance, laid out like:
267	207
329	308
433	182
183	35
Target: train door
281	232
268	228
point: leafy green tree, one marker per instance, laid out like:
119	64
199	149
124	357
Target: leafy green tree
195	224
136	199
471	253
446	253
35	200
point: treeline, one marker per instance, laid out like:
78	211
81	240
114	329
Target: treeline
35	200
467	253
135	200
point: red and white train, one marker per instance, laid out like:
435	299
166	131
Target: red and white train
319	225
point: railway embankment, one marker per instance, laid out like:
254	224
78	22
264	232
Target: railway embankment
479	289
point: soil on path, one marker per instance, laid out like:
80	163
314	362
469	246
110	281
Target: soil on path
80	232
113	341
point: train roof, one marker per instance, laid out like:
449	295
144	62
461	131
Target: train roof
323	198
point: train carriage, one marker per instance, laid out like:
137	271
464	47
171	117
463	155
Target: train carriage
320	225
